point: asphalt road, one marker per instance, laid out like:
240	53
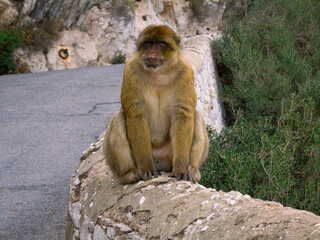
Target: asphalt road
47	120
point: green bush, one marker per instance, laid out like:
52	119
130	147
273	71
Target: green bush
118	58
9	41
268	60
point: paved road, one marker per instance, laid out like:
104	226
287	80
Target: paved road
46	121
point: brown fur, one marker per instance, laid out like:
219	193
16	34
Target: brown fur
157	128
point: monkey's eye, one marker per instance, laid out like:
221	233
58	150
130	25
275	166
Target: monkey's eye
163	43
147	44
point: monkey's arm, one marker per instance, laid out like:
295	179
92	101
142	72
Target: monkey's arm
183	127
183	130
137	126
139	139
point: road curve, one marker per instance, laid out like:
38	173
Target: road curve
46	121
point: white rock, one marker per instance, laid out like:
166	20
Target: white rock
142	199
84	231
204	202
215	197
111	232
199	222
85	197
99	233
106	221
130	217
215	206
205	228
76	181
134	237
75	213
123	228
28	6
76	234
91	226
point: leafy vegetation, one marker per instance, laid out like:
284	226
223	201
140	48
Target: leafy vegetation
9	41
118	58
40	37
269	63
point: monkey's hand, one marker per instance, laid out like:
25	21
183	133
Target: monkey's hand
136	175
146	175
132	176
191	174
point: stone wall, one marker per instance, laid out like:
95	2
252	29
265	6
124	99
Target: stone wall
163	208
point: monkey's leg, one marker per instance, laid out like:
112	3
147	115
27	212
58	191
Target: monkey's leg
117	150
199	149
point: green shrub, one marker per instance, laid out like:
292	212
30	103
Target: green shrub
118	58
268	60
9	41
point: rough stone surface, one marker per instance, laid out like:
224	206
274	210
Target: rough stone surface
163	208
198	52
36	61
28	6
8	13
109	28
82	51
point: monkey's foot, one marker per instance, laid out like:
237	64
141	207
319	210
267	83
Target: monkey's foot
192	175
132	176
148	175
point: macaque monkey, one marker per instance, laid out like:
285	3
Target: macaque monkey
158	127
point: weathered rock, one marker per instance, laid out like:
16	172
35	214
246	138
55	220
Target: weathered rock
113	26
163	208
28	6
8	13
36	61
81	49
198	53
99	233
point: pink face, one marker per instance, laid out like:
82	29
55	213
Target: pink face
154	55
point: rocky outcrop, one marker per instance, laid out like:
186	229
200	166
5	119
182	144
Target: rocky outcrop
8	13
163	208
109	28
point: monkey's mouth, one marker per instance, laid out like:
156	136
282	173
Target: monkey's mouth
153	62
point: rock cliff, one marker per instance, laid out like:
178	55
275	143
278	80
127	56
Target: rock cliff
95	31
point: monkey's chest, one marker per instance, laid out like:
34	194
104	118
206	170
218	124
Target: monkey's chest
159	118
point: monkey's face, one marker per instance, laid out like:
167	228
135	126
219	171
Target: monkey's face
158	46
154	54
